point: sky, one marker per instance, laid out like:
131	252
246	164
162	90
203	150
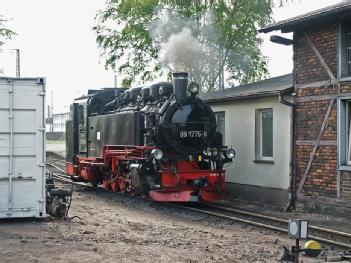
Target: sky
56	41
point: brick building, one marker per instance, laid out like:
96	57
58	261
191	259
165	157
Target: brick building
322	104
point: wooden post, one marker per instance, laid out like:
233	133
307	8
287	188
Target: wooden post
326	116
316	145
319	56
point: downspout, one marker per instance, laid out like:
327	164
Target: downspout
292	186
291	198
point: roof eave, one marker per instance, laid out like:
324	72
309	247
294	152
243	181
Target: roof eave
289	25
285	91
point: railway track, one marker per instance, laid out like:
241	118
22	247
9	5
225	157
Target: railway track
321	234
63	177
324	235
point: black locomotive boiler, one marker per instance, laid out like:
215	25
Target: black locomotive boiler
158	140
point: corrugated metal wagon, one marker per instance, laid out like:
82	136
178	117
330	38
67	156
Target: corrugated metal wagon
22	147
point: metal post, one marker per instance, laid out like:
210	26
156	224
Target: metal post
296	251
52	112
115	80
10	171
221	70
18	63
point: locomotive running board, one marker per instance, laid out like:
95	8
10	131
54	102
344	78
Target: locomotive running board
182	196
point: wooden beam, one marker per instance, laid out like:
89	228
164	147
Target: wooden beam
315	84
321	142
316	145
315	98
322	97
321	59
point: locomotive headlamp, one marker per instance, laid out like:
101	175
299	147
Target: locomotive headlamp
157	154
230	153
193	88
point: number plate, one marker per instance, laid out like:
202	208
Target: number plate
192	134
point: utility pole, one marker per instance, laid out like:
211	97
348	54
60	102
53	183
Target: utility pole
52	111
18	63
115	80
221	69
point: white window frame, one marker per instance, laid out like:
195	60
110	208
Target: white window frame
348	131
348	48
220	113
259	135
344	134
344	60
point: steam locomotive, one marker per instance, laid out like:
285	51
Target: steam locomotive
159	141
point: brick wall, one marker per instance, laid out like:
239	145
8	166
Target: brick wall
321	180
345	87
309	118
308	67
311	107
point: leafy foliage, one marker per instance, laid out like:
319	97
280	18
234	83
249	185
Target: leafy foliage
128	40
4	32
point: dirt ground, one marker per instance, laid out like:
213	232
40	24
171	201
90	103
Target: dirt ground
119	228
115	228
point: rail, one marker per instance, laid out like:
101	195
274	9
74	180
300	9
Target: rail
341	239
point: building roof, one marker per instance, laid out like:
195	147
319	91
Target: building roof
263	88
324	14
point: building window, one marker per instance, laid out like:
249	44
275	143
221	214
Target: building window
345	50
348	50
220	118
264	134
344	132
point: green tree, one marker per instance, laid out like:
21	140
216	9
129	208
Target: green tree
4	32
130	40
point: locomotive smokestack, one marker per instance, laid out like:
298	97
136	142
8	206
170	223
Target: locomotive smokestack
180	84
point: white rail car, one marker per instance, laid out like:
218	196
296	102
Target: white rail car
22	147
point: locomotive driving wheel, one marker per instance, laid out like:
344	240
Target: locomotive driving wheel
114	185
106	183
114	181
122	184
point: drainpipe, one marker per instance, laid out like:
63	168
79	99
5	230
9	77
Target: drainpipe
292	186
292	200
290	203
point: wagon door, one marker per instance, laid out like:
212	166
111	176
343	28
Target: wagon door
22	153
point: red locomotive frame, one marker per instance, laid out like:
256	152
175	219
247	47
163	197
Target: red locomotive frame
174	183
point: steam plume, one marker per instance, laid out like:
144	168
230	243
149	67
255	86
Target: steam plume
182	51
188	44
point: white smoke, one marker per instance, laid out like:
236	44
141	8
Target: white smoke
187	43
182	51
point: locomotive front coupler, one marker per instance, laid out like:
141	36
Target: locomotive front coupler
202	182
